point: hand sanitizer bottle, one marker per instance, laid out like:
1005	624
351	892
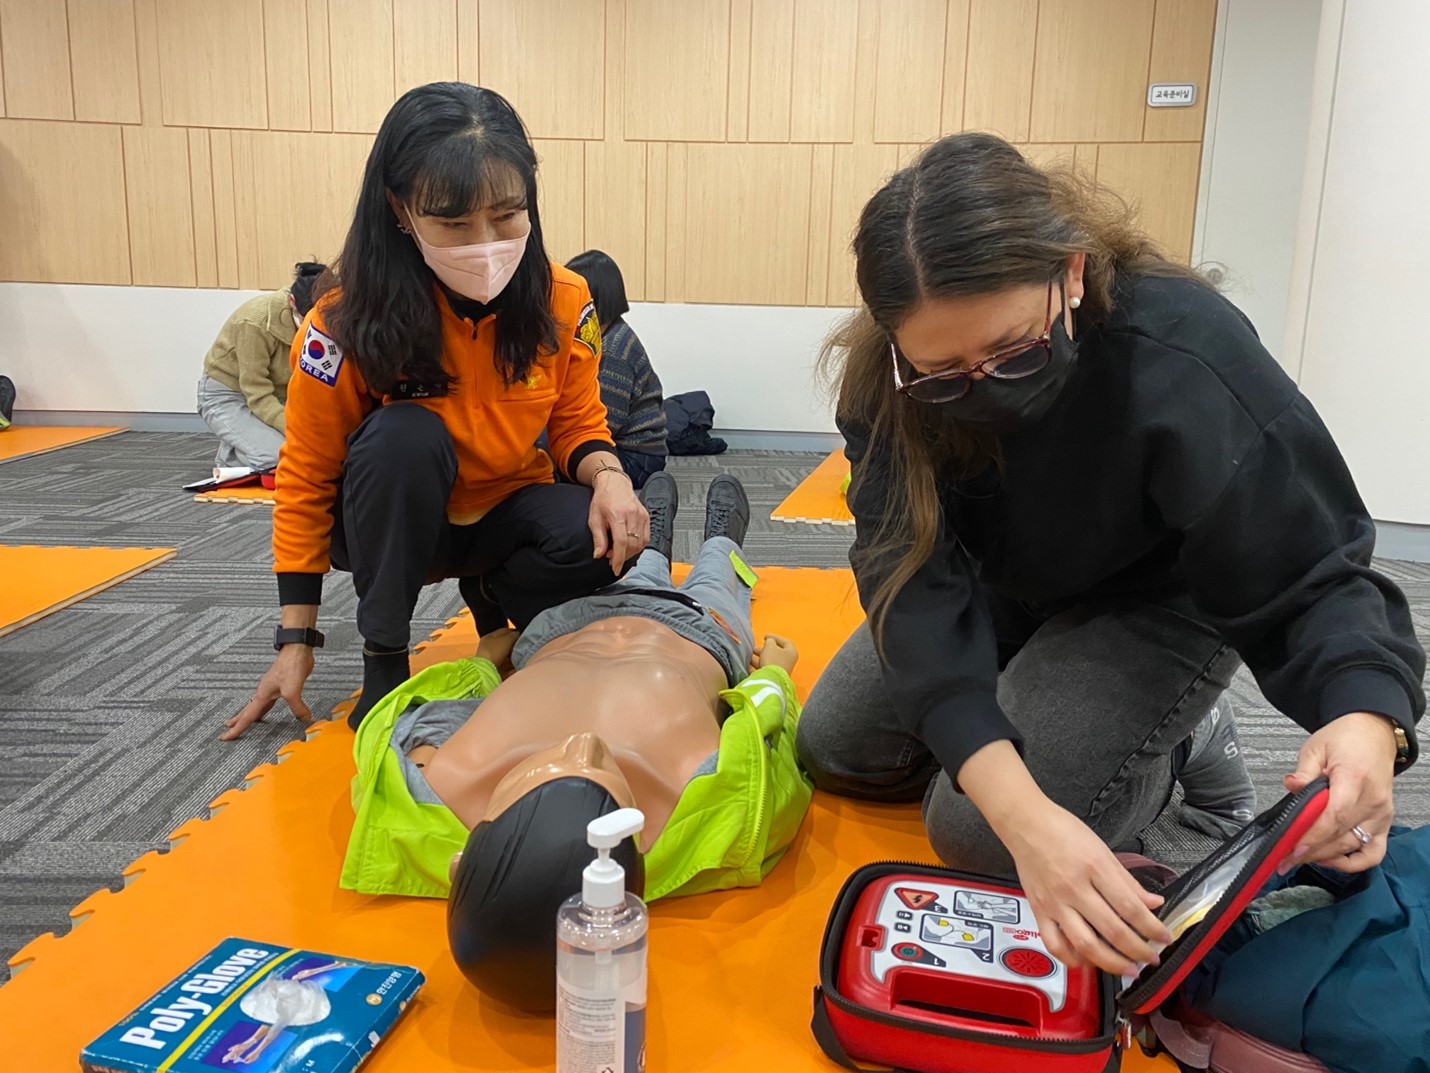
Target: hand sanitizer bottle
601	961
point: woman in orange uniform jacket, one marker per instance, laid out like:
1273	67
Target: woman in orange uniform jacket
421	381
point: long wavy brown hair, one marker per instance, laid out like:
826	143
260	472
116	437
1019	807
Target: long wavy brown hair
970	216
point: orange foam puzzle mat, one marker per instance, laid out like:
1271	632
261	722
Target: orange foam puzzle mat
41	581
248	494
731	974
819	498
25	441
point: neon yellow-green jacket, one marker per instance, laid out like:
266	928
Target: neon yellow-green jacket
729	828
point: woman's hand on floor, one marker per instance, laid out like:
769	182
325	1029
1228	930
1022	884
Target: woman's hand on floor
1357	754
1089	908
619	524
284	679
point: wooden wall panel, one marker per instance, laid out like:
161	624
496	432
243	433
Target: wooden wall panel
676	77
548	58
561	178
742	242
772	43
655	211
425	42
304	187
1181	52
1002	38
677	250
104	61
1090	78
360	55
320	68
859	170
201	192
615	190
825	41
955	66
740	88
908	72
613	113
70	231
468	24
1161	181
211	65
225	207
35	37
160	199
285	46
821	224
672	133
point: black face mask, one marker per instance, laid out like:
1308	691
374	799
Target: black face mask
1003	406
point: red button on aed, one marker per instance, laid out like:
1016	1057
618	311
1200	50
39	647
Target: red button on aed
1024	962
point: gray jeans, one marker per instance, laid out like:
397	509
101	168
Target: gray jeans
713	587
1102	701
243	440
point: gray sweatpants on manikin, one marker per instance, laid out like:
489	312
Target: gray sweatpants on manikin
1103	701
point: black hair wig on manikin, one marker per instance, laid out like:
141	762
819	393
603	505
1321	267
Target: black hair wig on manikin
512	878
445	149
608	286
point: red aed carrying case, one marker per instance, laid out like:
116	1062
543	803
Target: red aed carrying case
932	970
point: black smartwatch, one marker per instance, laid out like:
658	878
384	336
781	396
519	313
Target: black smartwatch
292	635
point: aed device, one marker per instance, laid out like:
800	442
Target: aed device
932	970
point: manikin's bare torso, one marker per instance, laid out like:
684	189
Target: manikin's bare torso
651	696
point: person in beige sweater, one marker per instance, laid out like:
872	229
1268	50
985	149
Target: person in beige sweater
245	381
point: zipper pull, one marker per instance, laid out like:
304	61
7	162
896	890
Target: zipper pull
1122	1031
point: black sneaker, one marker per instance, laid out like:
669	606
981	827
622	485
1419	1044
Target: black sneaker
661	499
7	401
727	509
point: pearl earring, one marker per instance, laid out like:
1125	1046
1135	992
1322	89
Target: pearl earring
1074	302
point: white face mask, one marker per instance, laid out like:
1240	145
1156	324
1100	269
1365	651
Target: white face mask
479	271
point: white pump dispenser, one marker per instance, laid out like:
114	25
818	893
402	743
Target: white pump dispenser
601	961
603	883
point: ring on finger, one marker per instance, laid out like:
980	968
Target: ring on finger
1361	835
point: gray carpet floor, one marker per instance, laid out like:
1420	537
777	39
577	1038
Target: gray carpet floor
110	709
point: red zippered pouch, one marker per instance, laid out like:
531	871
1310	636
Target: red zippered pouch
932	970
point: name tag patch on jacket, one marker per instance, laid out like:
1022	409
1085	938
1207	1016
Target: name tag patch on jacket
588	331
321	357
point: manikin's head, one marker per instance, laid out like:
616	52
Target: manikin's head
523	859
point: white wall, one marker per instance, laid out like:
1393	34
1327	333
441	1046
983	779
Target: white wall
1356	319
140	350
1258	114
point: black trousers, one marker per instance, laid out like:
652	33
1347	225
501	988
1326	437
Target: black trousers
390	530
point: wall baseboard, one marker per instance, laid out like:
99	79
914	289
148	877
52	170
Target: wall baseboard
137	422
1396	540
746	439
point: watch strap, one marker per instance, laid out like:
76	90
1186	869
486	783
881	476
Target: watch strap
294	635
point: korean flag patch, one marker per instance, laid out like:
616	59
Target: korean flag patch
588	331
321	357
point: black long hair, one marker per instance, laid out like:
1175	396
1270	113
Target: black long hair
445	149
608	286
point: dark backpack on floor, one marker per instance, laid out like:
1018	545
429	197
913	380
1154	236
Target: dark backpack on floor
688	421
